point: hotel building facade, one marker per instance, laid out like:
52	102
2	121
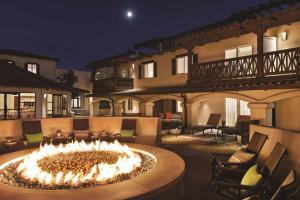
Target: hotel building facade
246	64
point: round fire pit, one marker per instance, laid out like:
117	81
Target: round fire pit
90	171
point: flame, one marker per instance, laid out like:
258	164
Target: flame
30	170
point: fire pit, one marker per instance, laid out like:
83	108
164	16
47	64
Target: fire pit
135	171
76	165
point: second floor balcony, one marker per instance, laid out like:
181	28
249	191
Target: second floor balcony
113	84
277	66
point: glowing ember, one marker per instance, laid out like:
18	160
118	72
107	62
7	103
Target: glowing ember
30	169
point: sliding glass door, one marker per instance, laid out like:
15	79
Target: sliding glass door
9	106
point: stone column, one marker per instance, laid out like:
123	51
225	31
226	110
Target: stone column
39	104
192	114
117	109
146	109
262	112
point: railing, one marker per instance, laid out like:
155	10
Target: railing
112	84
282	62
278	63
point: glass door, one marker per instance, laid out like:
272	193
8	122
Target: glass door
9	106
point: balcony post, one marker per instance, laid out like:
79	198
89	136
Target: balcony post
190	62
260	50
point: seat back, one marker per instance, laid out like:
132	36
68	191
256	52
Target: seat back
288	188
274	158
241	118
214	119
256	143
129	124
31	126
81	124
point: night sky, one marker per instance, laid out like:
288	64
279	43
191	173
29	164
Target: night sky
80	31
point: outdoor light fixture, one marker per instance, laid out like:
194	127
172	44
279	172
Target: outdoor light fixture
284	36
132	66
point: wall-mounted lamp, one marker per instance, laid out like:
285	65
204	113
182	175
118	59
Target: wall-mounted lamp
45	96
284	36
132	66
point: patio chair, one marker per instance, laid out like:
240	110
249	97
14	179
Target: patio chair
212	123
81	129
128	131
233	188
33	129
243	158
235	130
287	190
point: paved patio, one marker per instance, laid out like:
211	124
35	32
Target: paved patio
195	150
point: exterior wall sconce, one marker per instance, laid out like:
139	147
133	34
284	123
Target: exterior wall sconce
284	36
132	66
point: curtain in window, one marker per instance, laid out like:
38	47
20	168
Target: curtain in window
231	111
244	110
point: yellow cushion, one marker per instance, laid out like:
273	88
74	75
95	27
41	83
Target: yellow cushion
252	177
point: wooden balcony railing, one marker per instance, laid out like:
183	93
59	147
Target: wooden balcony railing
112	84
278	63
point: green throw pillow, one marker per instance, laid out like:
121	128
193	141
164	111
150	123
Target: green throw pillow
252	177
127	133
34	138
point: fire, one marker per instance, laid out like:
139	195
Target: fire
30	170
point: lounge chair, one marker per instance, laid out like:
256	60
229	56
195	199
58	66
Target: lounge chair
33	127
235	130
128	131
212	123
287	190
81	129
232	187
242	158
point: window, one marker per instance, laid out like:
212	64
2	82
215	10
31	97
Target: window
27	105
238	52
130	104
182	65
124	73
231	111
76	102
244	110
245	50
11	62
32	67
148	70
179	108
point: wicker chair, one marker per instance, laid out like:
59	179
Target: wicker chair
243	158
229	183
212	123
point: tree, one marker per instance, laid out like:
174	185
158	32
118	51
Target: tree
68	78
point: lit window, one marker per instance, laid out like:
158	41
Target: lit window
245	51
244	110
231	111
32	67
182	65
76	102
149	70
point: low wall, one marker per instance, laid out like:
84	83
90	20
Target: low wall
290	139
147	129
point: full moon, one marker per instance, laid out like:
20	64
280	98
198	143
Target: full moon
129	14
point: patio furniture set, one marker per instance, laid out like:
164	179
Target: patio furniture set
241	126
33	135
243	175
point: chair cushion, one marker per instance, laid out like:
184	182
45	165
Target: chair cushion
241	156
168	115
34	138
81	132
252	177
127	133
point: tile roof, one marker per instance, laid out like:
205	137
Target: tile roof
25	54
